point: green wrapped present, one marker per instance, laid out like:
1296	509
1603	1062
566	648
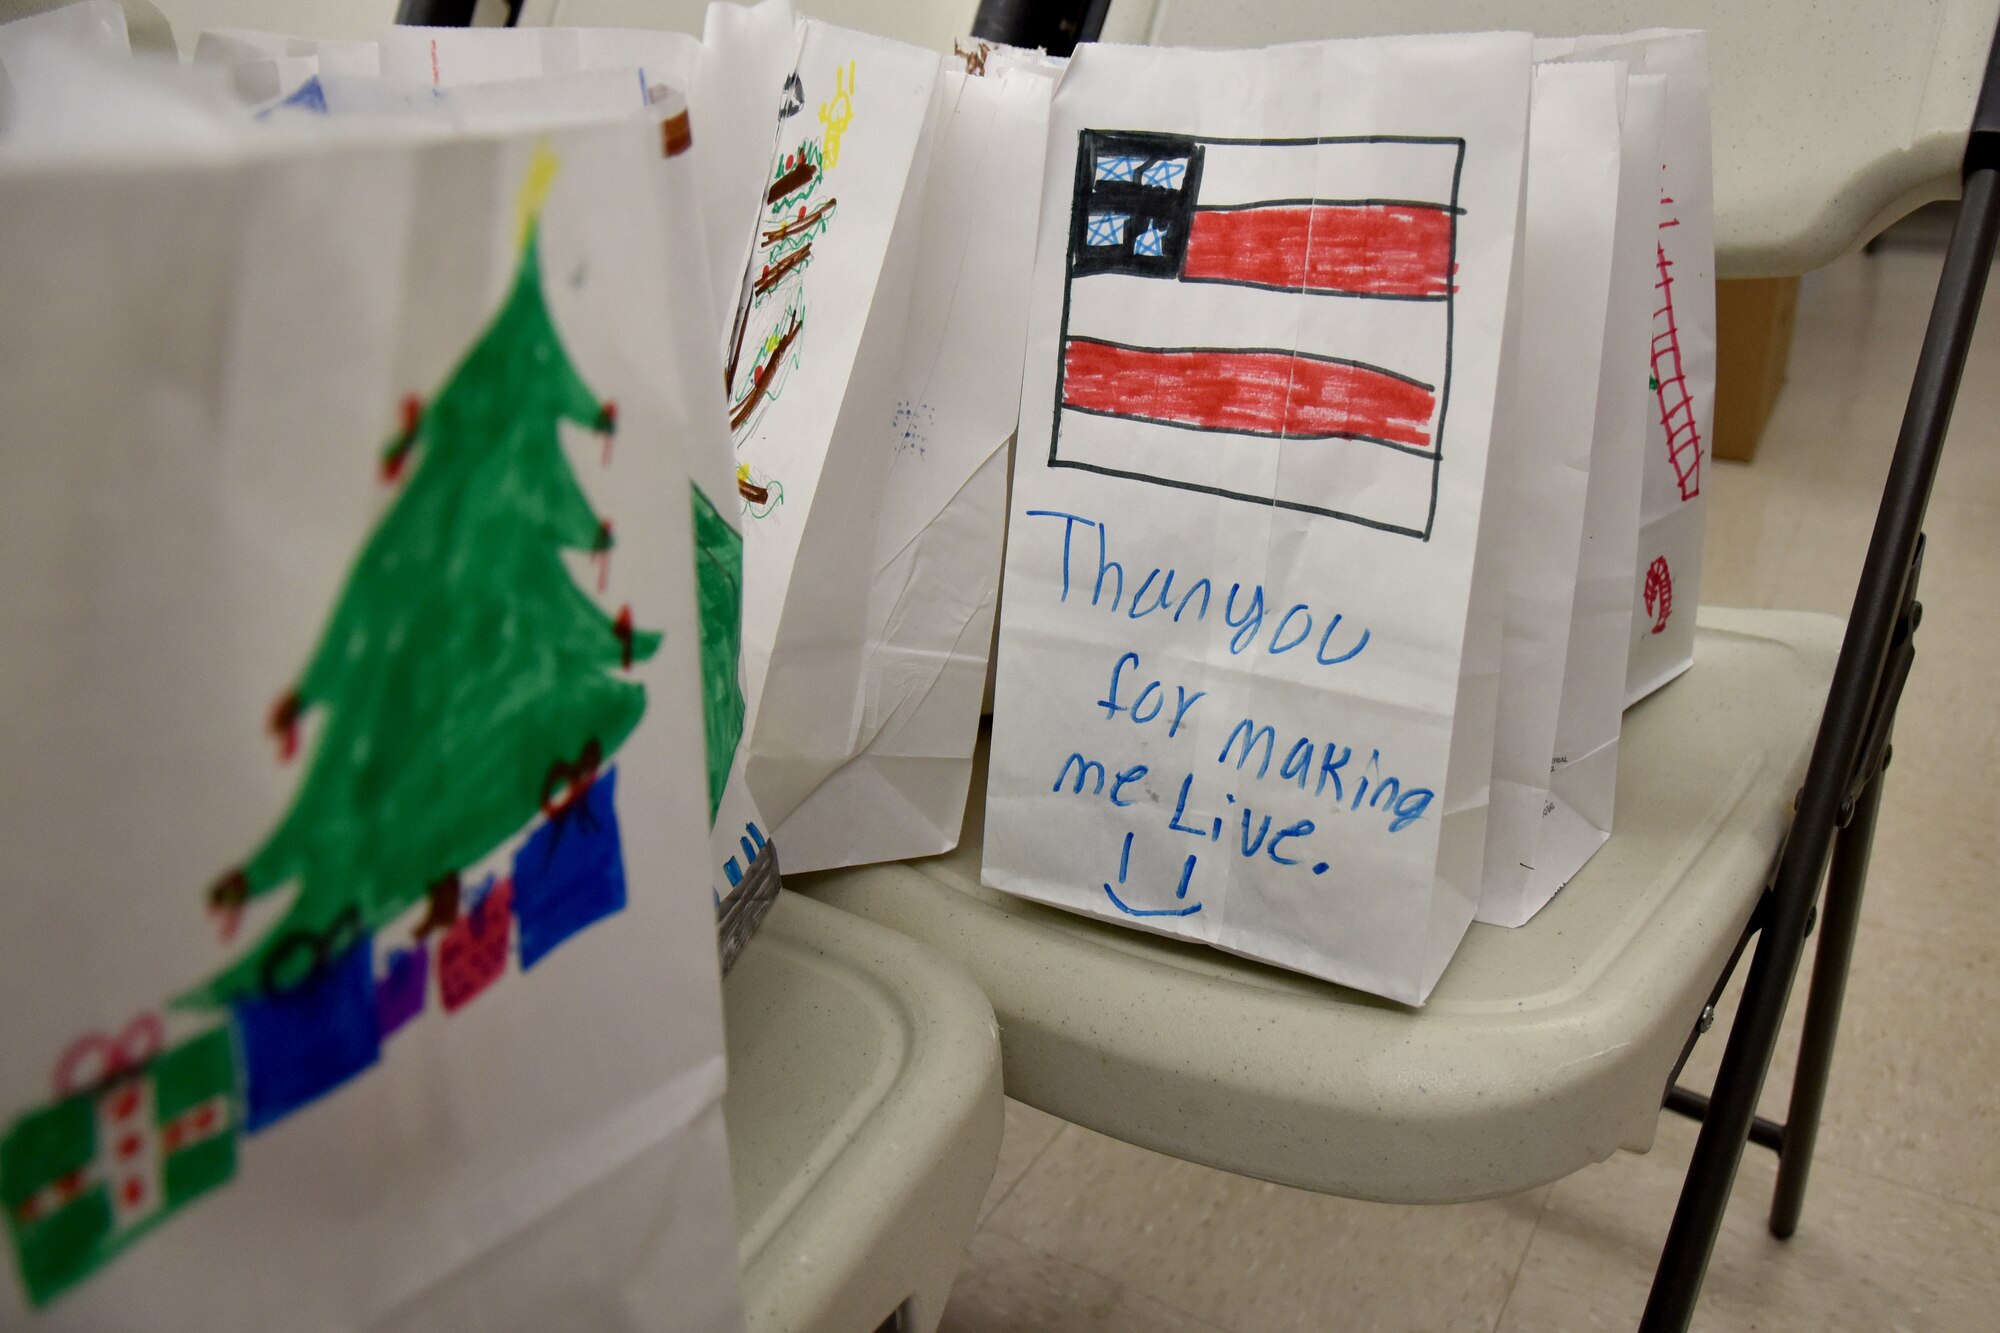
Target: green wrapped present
87	1176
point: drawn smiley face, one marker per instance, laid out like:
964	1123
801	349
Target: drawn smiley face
1181	906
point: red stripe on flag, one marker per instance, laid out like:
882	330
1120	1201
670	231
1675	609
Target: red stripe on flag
1363	249
1256	393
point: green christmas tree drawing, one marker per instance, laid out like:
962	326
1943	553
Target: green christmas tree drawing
463	680
718	564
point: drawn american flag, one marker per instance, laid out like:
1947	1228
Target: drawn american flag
1266	320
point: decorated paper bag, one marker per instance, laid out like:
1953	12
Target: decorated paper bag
1570	221
811	363
1583	776
354	976
589	80
740	853
937	549
749	59
1243	691
1680	356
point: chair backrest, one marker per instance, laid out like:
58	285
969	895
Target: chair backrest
1831	120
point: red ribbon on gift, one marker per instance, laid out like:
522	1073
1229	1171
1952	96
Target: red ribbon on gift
567	784
96	1058
607	427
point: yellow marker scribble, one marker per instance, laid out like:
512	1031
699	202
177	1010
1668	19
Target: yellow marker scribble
541	177
836	112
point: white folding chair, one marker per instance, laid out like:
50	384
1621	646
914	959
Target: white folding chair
864	1120
1545	1048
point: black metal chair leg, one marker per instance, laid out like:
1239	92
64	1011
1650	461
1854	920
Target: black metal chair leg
1726	1122
1850	710
1839	919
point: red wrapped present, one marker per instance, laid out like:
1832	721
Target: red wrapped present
473	952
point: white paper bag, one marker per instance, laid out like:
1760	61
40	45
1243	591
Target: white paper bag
737	838
1583	777
1570	219
328	427
748	55
1680	355
1242	695
937	550
811	368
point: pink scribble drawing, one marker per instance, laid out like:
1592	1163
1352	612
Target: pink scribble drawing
1669	383
1659	593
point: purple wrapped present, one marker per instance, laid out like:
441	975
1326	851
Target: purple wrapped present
399	995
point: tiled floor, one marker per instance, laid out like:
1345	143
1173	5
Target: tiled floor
1902	1223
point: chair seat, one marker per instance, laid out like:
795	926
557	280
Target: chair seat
864	1116
1541	1050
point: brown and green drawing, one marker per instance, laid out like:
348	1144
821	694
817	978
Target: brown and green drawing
771	309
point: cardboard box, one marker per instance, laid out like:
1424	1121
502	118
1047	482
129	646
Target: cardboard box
1753	346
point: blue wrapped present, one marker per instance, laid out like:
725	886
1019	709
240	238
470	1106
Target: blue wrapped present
302	1043
570	872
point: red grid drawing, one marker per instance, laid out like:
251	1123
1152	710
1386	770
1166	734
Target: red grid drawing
1669	384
